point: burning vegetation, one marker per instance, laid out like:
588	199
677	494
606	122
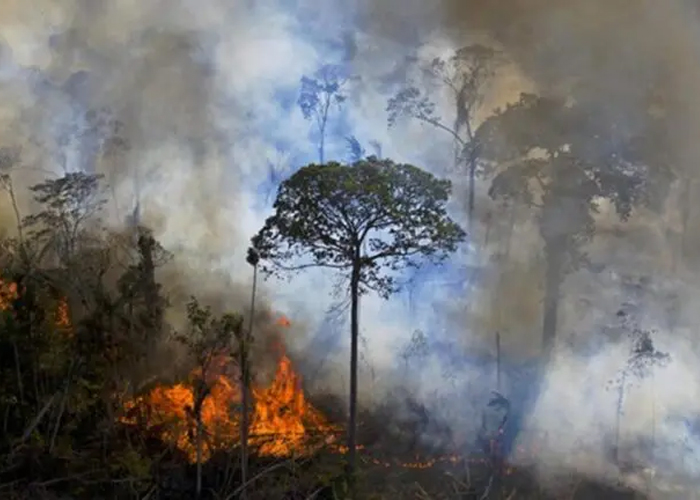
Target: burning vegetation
283	422
69	361
82	314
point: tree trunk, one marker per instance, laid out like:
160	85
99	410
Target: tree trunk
498	361
245	387
618	417
685	208
653	417
18	372
322	142
354	335
509	233
553	278
472	194
198	490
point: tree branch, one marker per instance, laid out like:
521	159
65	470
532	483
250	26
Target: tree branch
439	125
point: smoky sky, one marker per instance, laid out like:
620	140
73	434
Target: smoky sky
204	96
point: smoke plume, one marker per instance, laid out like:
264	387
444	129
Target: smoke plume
189	112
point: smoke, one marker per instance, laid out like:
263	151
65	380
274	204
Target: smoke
619	59
205	97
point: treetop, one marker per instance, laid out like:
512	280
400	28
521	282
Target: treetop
371	212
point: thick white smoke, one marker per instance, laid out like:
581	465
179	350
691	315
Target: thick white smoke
206	92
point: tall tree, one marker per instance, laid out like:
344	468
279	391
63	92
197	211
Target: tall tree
370	219
66	233
464	75
68	205
318	94
563	160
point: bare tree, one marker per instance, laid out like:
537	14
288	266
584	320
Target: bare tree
643	360
464	75
318	94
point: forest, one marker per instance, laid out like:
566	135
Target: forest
540	247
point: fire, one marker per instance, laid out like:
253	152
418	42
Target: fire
283	422
8	293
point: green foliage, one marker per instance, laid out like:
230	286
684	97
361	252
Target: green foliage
208	335
376	214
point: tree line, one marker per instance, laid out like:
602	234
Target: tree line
370	219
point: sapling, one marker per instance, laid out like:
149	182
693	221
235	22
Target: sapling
643	358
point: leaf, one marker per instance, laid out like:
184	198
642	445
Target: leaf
375	214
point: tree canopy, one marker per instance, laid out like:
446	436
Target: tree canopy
371	212
555	155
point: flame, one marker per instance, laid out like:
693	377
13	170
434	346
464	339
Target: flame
282	422
8	293
281	410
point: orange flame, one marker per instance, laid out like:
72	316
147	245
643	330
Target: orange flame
282	423
8	293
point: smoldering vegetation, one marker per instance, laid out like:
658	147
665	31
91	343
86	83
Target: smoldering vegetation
185	112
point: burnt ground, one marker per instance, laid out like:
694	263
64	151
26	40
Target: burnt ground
396	464
392	467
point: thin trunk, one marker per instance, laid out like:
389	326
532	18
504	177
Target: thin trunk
18	373
653	418
685	202
354	335
15	209
62	407
509	235
498	361
245	386
321	146
553	278
136	213
618	417
323	121
472	194
198	487
57	425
